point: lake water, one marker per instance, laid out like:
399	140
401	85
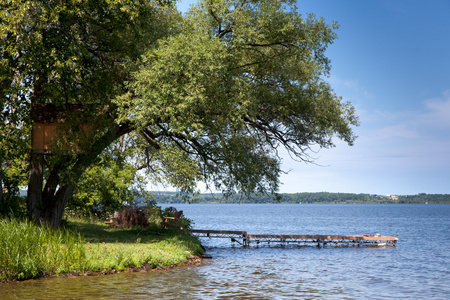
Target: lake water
418	268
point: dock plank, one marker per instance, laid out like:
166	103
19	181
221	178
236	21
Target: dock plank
247	239
216	231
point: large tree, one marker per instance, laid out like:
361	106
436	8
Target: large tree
64	62
209	96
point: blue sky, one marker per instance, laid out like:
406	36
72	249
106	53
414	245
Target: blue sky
392	61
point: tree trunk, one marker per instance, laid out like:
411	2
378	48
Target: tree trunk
54	206
47	204
35	182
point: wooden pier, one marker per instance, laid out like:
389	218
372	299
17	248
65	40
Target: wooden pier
244	239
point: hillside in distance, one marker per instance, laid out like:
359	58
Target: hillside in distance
321	197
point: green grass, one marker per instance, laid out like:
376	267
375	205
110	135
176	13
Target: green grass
30	251
119	248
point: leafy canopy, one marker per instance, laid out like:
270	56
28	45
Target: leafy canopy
212	95
111	183
239	80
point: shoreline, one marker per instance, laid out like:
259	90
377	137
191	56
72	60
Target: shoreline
90	249
193	261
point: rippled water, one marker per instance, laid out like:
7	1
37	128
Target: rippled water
418	268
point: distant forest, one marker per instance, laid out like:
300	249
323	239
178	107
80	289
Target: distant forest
323	197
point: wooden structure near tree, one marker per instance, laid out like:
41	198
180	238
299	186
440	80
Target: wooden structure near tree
45	136
172	222
51	130
113	220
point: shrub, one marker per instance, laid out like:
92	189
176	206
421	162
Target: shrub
133	216
13	205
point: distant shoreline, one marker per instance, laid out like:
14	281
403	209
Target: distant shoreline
307	198
275	203
301	203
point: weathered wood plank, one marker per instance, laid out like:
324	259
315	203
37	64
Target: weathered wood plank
216	231
324	237
247	239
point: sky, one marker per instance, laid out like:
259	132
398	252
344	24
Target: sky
392	62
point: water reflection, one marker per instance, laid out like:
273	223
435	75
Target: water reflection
161	284
263	273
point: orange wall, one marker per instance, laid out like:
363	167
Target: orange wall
43	136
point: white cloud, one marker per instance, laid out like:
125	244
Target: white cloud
349	87
397	152
401	151
432	123
352	84
438	114
395	132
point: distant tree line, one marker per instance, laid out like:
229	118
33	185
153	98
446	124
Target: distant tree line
322	197
425	198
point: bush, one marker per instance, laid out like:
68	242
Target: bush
133	216
13	205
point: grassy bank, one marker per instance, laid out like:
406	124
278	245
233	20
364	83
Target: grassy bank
30	251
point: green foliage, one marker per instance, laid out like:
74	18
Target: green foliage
183	222
425	198
76	50
13	205
209	96
235	83
14	157
64	62
29	251
109	184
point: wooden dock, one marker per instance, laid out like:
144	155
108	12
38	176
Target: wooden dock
244	239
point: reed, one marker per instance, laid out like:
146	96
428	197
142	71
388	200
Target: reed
30	251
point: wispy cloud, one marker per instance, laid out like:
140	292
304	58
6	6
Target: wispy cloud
351	85
438	114
396	131
432	122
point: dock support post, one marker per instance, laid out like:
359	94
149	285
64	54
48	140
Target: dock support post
318	243
245	240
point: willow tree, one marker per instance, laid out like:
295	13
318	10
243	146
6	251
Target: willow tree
211	95
239	81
